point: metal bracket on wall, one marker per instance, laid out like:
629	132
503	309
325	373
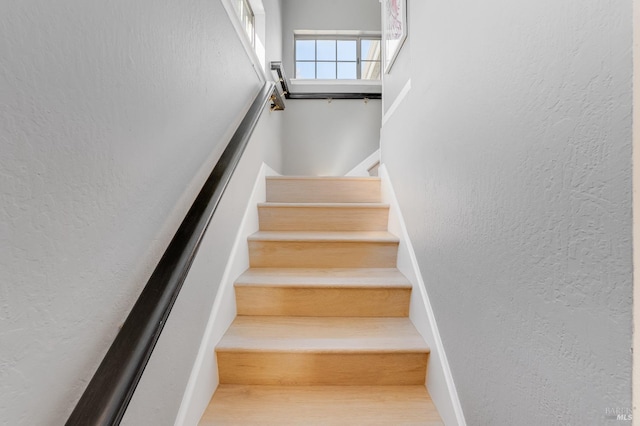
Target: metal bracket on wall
277	102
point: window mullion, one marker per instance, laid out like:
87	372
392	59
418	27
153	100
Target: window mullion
358	58
336	53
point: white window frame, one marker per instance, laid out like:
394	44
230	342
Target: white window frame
338	37
247	18
253	47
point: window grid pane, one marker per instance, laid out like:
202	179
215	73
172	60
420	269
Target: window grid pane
347	50
305	50
341	58
326	70
306	70
347	70
247	18
326	50
370	70
370	50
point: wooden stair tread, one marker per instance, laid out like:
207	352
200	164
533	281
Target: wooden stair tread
323	292
324	278
325	178
321	335
323	216
326	405
325	205
325	236
323	189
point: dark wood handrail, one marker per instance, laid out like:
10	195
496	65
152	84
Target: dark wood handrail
107	396
336	95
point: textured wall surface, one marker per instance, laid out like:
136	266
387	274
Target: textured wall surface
511	158
273	24
110	115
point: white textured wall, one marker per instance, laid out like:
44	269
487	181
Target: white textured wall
273	18
636	206
111	114
511	159
328	138
161	389
398	75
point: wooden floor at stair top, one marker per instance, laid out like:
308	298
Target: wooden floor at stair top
321	405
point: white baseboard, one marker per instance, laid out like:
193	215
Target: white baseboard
439	379
203	380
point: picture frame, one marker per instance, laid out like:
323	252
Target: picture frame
394	30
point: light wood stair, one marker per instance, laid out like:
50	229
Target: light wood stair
322	334
323	216
342	292
308	249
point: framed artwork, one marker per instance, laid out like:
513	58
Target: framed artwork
394	30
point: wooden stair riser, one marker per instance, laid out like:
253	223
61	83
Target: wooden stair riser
312	368
321	218
323	190
322	254
305	301
321	405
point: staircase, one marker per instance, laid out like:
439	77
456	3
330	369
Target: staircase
322	334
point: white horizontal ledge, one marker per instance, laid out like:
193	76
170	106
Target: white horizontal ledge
335	86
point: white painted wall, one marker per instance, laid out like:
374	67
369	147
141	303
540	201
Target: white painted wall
273	10
399	74
511	159
168	392
439	380
323	138
112	115
636	207
362	15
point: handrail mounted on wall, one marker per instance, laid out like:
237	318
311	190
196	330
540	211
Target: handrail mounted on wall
109	392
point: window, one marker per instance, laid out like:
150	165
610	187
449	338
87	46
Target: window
337	57
247	18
